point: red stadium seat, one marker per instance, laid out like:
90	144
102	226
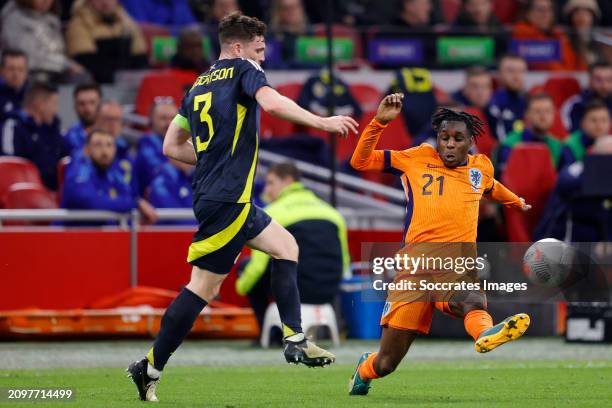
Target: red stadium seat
366	95
16	170
172	83
29	195
561	89
271	126
533	185
451	9
506	10
486	143
441	95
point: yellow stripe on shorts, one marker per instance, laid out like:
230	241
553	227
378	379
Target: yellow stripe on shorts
220	239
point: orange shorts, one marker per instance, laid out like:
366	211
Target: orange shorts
415	316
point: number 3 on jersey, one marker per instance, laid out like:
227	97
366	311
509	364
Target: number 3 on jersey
204	118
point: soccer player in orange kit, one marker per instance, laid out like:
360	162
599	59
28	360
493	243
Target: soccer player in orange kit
443	188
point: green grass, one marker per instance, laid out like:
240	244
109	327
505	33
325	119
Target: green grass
461	383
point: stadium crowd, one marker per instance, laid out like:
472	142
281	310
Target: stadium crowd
84	43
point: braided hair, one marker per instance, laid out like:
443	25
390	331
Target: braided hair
473	123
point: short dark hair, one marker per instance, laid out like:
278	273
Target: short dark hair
476	70
511	55
37	89
593	105
538	96
87	86
599	64
238	27
284	170
473	123
93	131
12	53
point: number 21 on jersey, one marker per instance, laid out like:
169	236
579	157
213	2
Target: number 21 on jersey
202	141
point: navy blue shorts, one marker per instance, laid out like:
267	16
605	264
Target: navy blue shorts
223	229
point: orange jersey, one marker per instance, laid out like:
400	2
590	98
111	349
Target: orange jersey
442	203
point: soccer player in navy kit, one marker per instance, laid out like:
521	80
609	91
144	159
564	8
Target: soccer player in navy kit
217	130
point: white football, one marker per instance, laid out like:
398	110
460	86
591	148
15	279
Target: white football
548	262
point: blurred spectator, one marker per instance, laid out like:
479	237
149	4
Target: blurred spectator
14	74
507	107
315	94
189	52
33	27
320	232
600	87
539	24
171	188
419	98
164	12
414	14
104	38
110	119
87	98
34	131
583	16
477	15
539	117
218	10
288	21
95	182
595	124
149	155
477	90
568	215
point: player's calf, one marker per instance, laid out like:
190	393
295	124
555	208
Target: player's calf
385	364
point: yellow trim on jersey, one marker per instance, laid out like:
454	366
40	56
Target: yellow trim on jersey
241	113
182	122
220	239
246	194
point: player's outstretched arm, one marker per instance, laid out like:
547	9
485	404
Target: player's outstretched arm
365	157
178	146
278	105
503	195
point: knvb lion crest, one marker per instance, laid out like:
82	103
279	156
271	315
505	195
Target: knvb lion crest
475	178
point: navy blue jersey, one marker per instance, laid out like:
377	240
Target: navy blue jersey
222	115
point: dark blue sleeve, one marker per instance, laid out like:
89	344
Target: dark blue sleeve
576	116
146	164
501	158
567	158
252	78
20	141
160	195
81	193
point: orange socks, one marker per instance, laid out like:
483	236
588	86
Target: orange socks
366	370
476	322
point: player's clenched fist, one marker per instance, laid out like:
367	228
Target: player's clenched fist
340	124
389	108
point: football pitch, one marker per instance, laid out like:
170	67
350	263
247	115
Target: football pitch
529	372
